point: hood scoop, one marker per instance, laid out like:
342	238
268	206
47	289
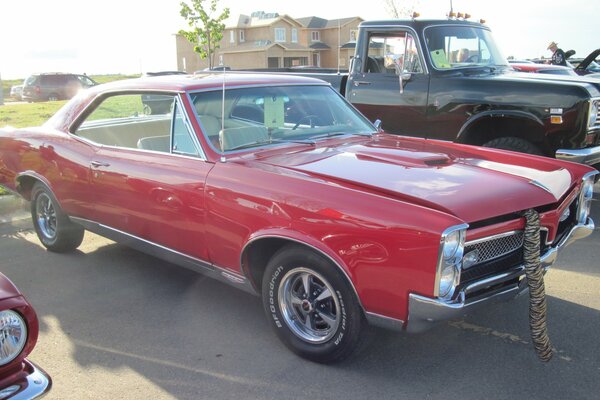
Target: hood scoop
403	157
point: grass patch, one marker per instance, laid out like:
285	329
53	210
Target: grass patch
35	114
3	191
28	114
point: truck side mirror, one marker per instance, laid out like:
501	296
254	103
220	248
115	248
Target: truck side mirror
393	61
355	64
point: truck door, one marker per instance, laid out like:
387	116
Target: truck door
374	83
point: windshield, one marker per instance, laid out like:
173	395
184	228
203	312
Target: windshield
259	116
453	47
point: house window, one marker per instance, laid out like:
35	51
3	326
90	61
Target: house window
294	35
280	34
232	36
353	35
242	36
315	36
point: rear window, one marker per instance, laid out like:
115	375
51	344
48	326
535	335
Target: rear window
32	80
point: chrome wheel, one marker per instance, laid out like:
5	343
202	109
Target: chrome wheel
46	216
309	305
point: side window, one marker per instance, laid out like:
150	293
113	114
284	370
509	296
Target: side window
389	53
182	137
124	121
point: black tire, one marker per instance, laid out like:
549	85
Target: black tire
326	326
514	144
53	227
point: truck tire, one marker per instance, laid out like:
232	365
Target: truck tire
53	227
514	144
311	306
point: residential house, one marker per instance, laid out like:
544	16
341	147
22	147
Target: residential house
264	40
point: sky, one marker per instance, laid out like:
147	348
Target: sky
134	36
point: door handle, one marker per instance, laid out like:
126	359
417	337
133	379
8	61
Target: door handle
359	83
97	164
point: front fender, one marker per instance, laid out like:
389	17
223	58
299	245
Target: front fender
515	115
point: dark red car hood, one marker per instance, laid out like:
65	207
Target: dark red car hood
467	182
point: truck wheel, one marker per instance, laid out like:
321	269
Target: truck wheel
54	229
311	306
514	144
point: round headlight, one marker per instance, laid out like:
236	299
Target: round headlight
13	336
451	244
593	114
447	280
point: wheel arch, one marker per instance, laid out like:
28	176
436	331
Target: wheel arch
490	125
25	182
259	249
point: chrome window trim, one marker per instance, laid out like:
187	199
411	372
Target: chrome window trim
188	125
385	28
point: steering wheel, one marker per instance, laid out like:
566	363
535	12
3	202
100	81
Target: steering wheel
312	118
473	59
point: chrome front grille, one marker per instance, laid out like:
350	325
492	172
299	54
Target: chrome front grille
495	247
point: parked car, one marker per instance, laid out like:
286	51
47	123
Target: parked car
543	69
16	91
278	186
588	65
54	86
19	377
407	74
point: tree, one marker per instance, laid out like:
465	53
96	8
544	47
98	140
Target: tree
205	31
400	9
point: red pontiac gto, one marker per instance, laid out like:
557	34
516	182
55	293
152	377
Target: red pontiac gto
276	185
19	378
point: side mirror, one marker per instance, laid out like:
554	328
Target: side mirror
355	64
377	124
394	61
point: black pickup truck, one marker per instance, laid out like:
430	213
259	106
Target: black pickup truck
447	79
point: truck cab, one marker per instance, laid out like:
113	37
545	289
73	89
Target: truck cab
447	79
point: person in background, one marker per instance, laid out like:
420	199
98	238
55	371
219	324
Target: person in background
558	56
462	56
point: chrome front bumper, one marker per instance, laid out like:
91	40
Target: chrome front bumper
33	386
588	156
424	312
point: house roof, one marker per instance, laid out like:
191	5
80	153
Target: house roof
321	23
349	45
262	45
257	19
319	46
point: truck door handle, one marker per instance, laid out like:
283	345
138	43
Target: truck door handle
359	83
97	164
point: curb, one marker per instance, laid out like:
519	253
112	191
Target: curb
13	208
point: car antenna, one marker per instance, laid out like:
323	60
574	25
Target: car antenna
222	132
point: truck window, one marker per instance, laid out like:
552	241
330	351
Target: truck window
398	47
461	46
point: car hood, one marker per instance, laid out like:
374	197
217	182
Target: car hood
463	181
7	288
586	61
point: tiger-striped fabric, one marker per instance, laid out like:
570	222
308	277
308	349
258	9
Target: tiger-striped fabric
535	281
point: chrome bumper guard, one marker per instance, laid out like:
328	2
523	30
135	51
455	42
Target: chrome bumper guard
33	386
425	312
588	156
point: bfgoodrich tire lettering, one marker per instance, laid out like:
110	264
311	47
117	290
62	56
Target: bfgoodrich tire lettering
311	306
53	227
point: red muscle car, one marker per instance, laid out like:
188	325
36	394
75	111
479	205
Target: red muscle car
19	378
277	185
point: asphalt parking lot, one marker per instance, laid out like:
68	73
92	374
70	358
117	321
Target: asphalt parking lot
117	324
